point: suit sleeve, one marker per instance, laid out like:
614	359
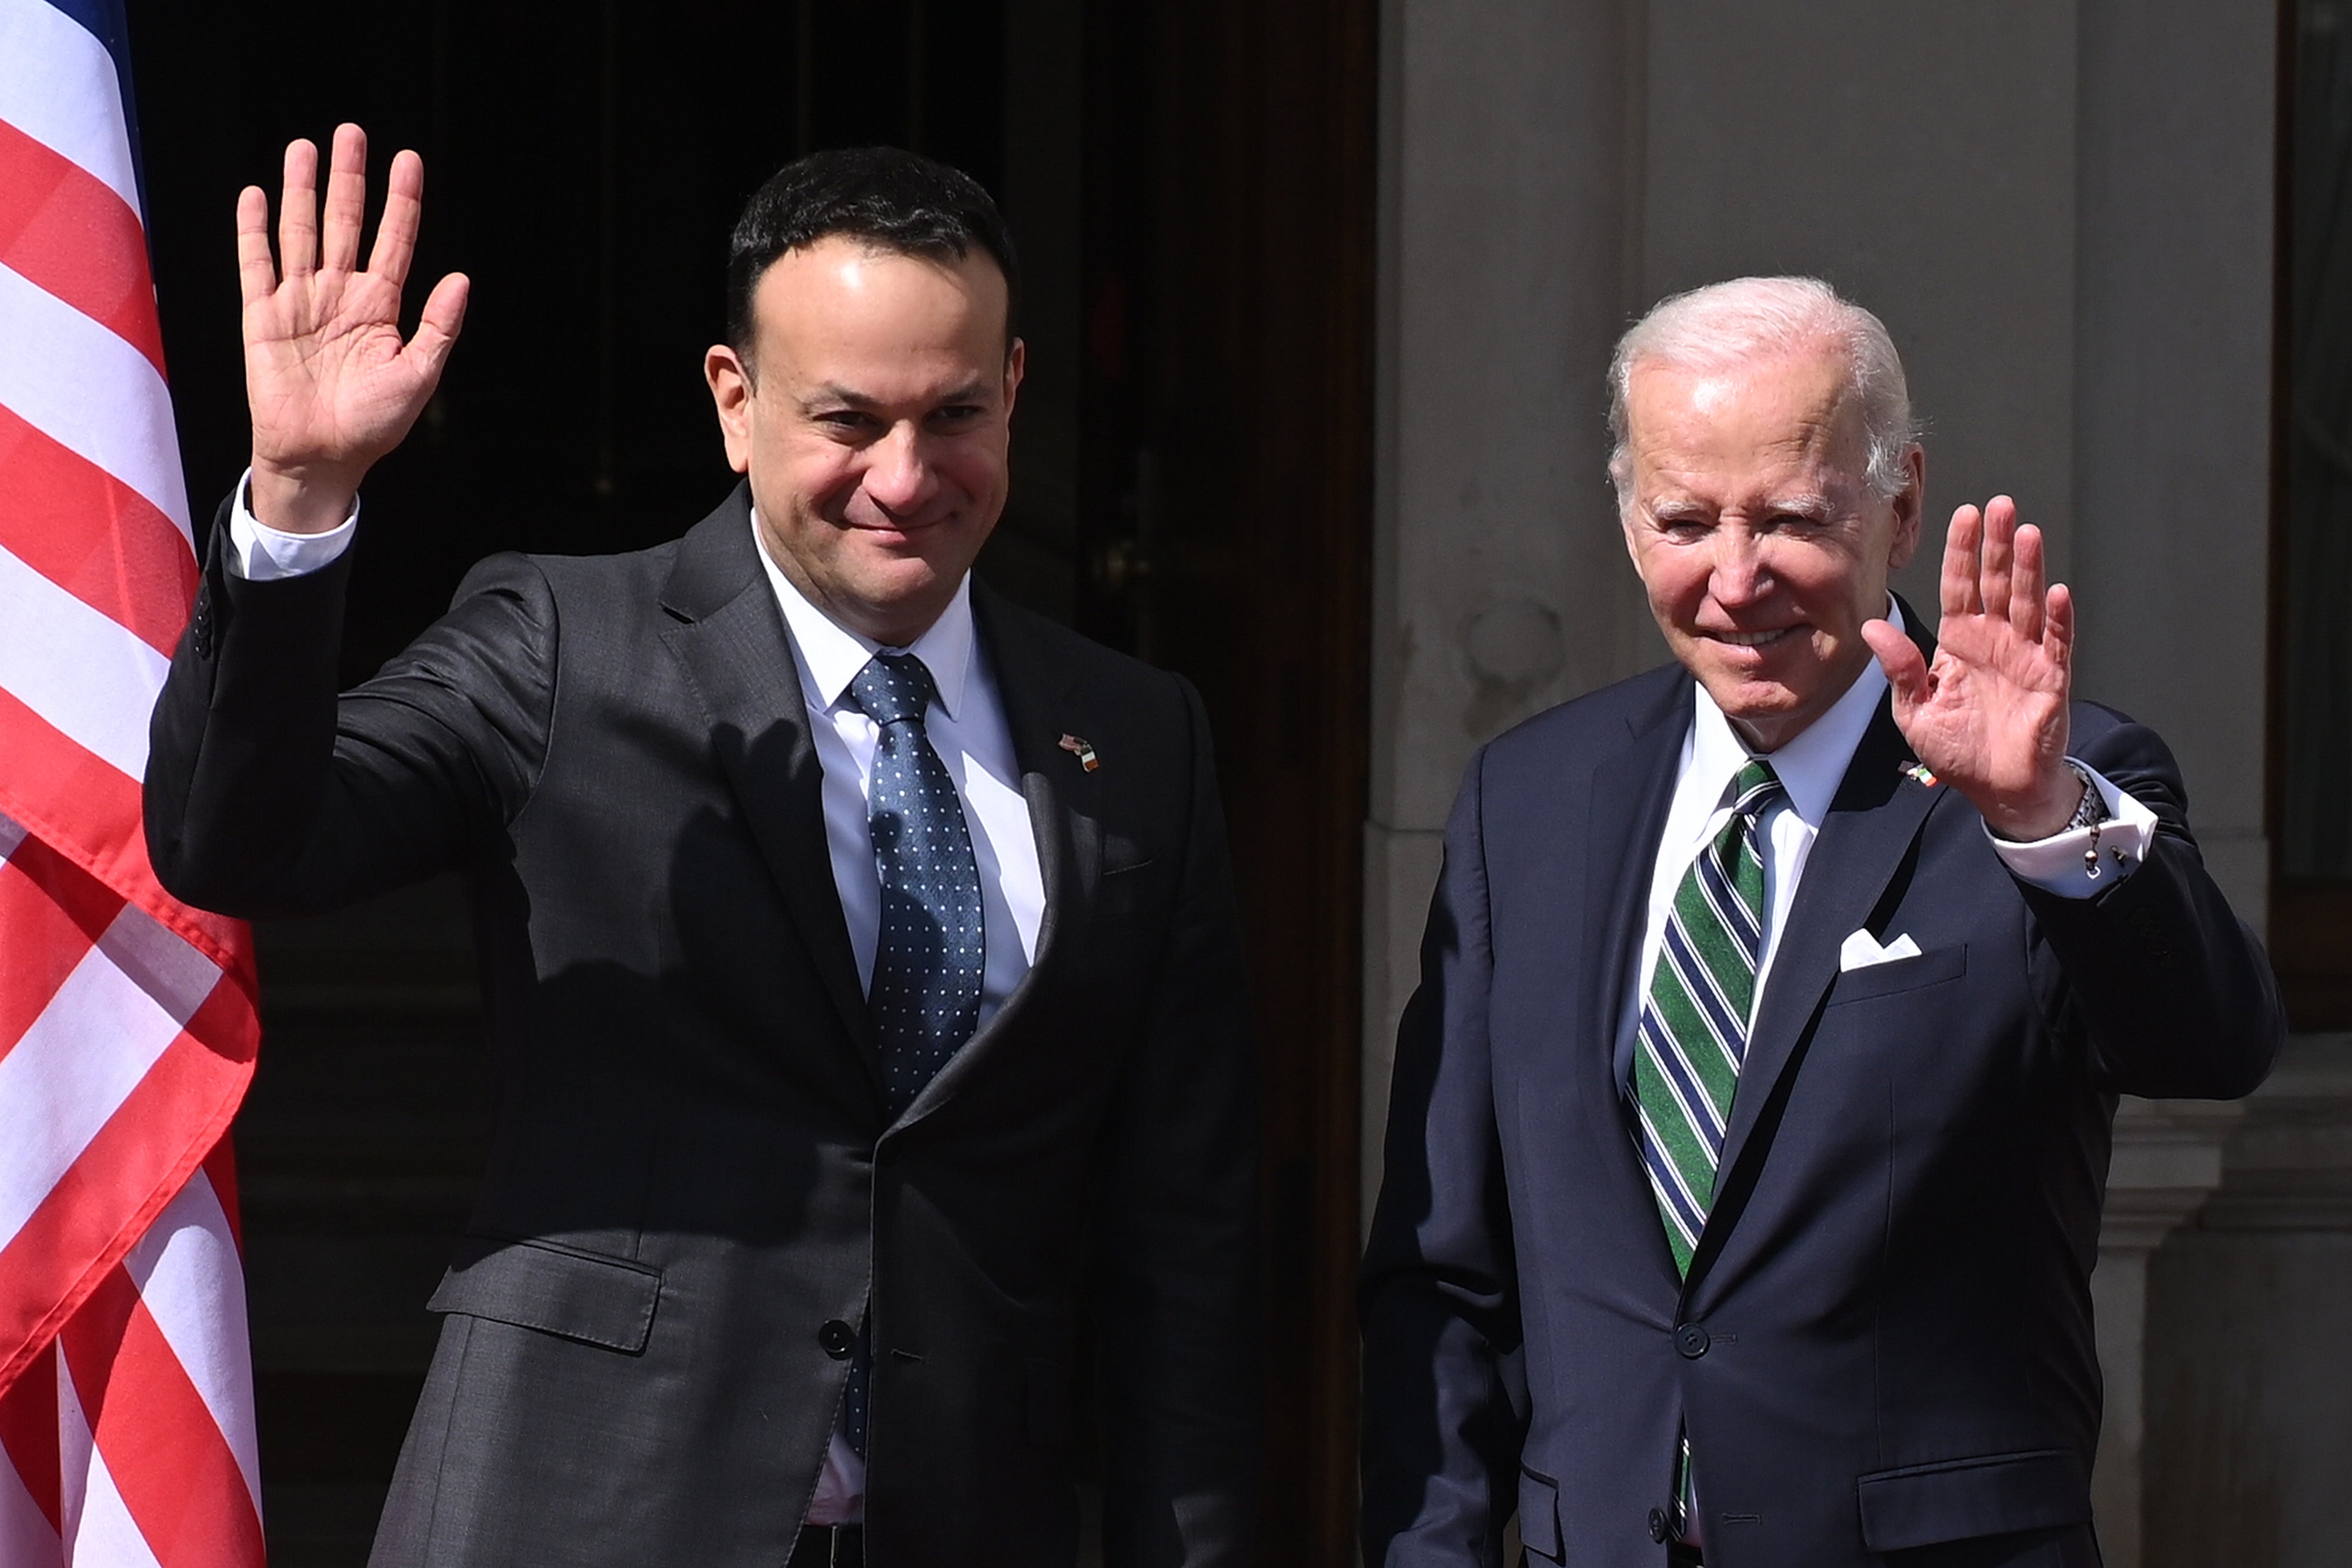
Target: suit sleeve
269	795
1445	1405
2174	991
1176	1232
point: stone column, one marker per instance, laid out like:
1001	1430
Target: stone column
2168	1159
2248	1428
1500	583
2177	117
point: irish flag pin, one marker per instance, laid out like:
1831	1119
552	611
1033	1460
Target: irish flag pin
1082	751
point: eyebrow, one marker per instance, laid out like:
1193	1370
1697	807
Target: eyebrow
832	395
1671	507
1812	504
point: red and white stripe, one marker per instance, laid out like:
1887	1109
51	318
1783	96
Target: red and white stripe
127	1019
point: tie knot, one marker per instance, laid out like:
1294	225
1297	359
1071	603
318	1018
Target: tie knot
1753	788
893	688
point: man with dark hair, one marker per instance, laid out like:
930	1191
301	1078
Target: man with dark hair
891	198
860	949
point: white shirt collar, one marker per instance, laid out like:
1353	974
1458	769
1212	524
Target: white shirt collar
832	654
1812	765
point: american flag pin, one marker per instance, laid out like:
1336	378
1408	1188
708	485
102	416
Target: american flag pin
1917	770
1082	751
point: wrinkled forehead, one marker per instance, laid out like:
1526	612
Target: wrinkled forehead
1789	412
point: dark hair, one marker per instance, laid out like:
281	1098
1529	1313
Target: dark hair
892	199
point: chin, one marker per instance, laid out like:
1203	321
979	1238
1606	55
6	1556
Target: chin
1754	702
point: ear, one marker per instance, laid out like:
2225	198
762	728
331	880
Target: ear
1910	508
1625	526
1016	365
732	393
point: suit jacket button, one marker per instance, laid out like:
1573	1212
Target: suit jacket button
1658	1525
1691	1340
838	1338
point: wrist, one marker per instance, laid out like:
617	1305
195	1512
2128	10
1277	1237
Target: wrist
299	500
2047	813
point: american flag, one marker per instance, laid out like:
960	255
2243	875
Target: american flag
127	1019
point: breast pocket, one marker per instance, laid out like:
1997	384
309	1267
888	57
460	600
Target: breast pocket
1940	966
1125	892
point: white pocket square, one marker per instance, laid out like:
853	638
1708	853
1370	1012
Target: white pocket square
1861	951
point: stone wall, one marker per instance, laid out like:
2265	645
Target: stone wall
2249	1395
2063	212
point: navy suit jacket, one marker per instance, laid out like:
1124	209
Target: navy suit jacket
1885	1342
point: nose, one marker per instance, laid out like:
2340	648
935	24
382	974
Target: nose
1739	574
899	478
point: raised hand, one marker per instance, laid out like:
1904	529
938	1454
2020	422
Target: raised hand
1988	716
331	385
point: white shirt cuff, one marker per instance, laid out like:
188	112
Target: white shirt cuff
260	553
2055	864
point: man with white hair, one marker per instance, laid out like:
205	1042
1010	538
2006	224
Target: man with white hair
1751	1120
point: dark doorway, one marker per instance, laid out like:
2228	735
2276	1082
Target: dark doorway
1192	187
2310	710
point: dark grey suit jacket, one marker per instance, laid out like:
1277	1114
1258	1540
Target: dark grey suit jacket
692	1173
1884	1343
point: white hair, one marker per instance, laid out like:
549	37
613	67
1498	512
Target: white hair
1724	325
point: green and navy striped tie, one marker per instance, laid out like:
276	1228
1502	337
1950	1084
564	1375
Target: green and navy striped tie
1693	1028
1694	1031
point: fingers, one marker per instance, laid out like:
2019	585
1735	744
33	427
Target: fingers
1956	591
257	274
2027	579
1905	666
403	210
1997	556
2058	640
297	210
346	200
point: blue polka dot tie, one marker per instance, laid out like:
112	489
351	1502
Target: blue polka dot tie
931	952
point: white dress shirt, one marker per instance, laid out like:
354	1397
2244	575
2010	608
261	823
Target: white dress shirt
1811	766
967	728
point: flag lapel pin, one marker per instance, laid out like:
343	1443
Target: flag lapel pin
1917	771
1082	751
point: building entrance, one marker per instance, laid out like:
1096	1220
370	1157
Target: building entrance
1192	185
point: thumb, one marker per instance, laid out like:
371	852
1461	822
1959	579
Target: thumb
438	325
1905	666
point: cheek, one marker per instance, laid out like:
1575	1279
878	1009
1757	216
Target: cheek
976	466
1677	586
1825	583
819	476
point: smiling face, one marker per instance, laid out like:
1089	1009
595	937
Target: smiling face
1758	537
873	421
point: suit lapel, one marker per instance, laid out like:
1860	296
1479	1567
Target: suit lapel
732	643
1035	688
1629	793
1873	821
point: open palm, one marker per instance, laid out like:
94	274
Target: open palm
331	385
1988	716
